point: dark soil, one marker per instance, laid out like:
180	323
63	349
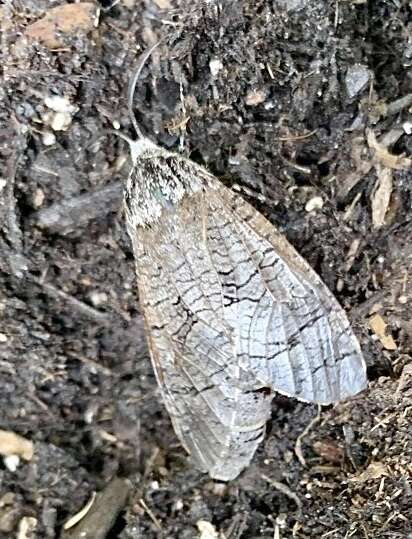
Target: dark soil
74	369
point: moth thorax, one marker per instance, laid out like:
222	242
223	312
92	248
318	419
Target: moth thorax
143	147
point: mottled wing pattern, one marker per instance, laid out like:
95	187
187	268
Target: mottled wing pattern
218	410
293	334
233	312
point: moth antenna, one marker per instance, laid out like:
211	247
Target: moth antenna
132	87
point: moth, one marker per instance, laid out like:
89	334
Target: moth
233	314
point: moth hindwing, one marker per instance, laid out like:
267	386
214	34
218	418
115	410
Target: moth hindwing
233	313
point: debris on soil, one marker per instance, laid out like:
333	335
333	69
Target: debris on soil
61	22
384	157
375	470
357	78
378	326
381	196
61	113
14	444
99	515
27	528
313	204
207	530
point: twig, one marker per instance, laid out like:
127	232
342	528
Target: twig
150	513
296	166
398	105
292	138
77	305
16	259
68	215
298	445
14	232
284	490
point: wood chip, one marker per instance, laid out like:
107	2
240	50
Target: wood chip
381	196
383	157
375	470
62	21
352	252
378	326
362	166
14	444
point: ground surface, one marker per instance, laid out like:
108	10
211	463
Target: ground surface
292	100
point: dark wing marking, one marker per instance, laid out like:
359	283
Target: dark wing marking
293	334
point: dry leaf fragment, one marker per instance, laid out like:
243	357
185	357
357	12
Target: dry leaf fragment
378	326
13	444
329	450
375	470
60	21
381	196
255	97
386	159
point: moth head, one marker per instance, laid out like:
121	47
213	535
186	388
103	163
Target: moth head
143	148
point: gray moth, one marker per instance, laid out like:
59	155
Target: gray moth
233	314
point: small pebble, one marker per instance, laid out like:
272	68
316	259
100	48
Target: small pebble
60	121
11	462
315	203
3	184
97	298
357	77
3	338
255	97
49	138
215	66
178	506
407	127
206	529
61	112
27	526
38	198
59	104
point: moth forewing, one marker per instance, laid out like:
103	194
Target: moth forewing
338	368
232	312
